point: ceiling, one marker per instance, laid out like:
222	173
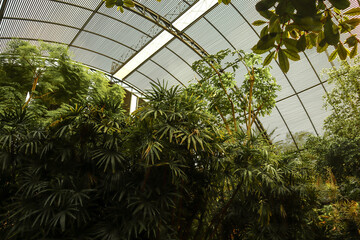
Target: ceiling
105	39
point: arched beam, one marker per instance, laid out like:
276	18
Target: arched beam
2	10
166	25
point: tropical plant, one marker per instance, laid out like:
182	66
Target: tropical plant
44	77
293	26
172	170
235	104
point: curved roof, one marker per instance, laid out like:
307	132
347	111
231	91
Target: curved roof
106	39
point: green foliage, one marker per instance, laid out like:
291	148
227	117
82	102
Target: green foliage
344	100
294	26
169	171
167	174
336	156
338	149
49	76
225	99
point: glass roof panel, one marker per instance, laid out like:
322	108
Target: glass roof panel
295	115
274	123
301	74
115	30
47	11
36	30
132	19
207	37
313	102
168	9
184	51
92	4
155	72
94	60
175	65
138	79
100	44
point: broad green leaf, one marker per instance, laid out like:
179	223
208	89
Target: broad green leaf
354	22
320	41
332	35
258	22
342	51
284	7
129	3
311	40
275	26
290	43
264	5
308	23
322	47
354	51
291	54
264	31
283	61
267	14
351	41
120	8
266	42
340	4
110	3
305	7
269	58
353	12
333	55
301	43
258	51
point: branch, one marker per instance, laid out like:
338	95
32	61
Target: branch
219	111
256	113
252	80
227	95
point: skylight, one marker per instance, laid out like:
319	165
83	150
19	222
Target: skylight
181	23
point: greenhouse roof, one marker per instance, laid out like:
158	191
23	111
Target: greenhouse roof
161	40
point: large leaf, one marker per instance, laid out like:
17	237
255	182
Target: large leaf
259	22
340	4
333	55
283	61
293	55
305	7
266	42
332	35
301	43
110	3
342	51
354	51
264	5
351	41
269	58
353	12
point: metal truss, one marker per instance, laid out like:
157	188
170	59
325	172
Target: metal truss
165	24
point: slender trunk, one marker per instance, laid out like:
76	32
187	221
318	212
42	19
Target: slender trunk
217	219
250	99
227	95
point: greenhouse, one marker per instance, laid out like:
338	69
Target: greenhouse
180	119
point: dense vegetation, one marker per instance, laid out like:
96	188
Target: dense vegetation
188	164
